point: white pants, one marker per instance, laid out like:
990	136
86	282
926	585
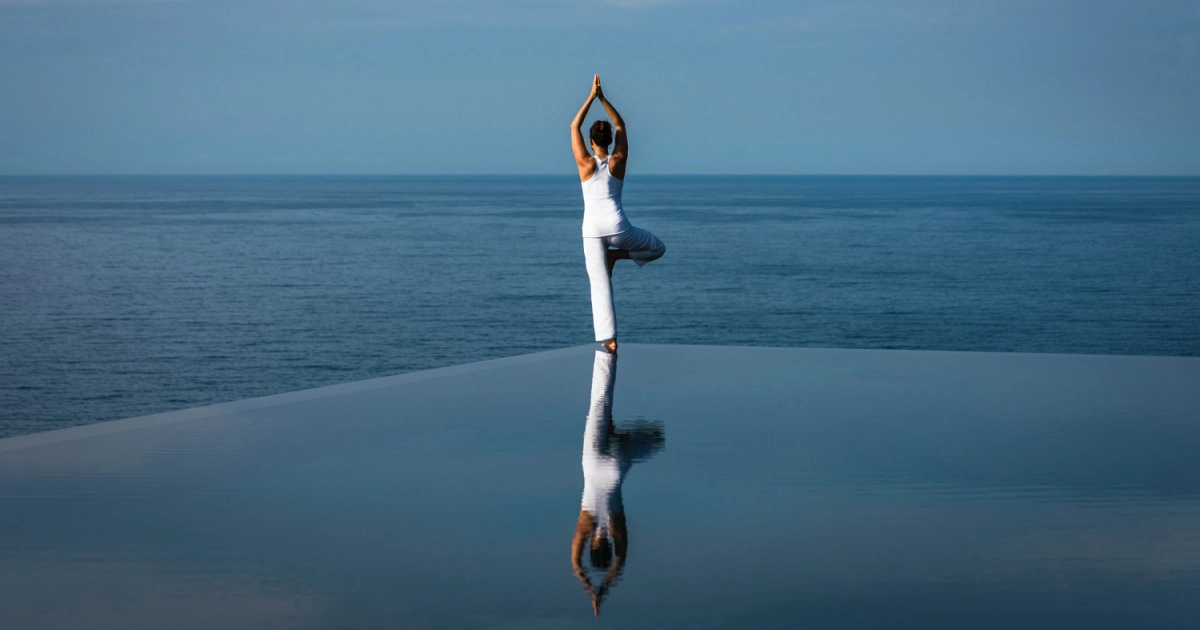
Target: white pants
642	246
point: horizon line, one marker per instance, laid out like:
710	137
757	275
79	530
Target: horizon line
397	174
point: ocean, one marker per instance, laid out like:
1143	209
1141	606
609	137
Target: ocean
123	296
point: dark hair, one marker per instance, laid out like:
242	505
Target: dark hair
601	133
601	553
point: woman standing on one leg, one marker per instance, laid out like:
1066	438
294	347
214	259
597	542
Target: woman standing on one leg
607	234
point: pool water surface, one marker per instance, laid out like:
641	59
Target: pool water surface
664	487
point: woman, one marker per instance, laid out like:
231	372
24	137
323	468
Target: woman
607	234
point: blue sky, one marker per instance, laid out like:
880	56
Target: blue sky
706	86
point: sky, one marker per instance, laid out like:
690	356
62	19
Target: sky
1041	87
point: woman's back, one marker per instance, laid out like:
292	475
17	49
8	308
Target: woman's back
602	211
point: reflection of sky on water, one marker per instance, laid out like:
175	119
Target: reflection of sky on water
844	488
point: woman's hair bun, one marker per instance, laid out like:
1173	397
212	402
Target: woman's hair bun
602	133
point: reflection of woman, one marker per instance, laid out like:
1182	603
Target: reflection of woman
607	235
608	454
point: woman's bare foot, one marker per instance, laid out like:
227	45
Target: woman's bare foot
610	345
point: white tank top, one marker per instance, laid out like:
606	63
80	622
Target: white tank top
602	211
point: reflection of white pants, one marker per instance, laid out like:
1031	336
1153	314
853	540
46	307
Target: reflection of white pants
642	246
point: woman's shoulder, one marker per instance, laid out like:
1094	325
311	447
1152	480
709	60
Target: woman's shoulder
616	166
588	170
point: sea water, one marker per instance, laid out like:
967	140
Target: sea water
124	296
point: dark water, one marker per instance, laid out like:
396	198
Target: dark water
758	488
126	296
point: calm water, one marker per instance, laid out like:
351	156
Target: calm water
740	488
126	296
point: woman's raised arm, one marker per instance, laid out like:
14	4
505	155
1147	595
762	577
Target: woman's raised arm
621	141
583	159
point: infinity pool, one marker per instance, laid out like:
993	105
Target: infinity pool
664	487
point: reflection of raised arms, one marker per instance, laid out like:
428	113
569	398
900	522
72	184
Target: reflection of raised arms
583	159
584	531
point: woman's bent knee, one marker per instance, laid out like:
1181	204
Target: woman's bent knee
655	252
